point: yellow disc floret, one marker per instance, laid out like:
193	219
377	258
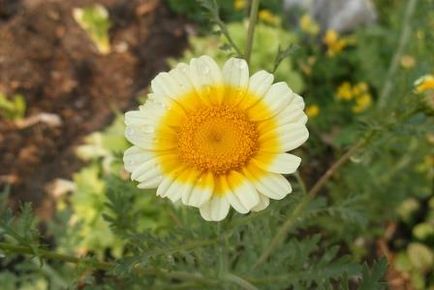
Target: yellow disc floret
217	138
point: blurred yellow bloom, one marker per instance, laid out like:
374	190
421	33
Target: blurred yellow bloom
240	4
362	103
424	84
268	17
430	138
344	92
306	67
360	88
308	25
335	43
312	111
407	61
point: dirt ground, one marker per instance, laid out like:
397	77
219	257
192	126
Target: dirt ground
50	60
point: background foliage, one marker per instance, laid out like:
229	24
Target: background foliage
148	243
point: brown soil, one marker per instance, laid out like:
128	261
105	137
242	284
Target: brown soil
49	59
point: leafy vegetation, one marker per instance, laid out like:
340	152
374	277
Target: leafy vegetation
109	235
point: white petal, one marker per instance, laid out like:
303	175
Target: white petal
149	113
134	157
272	185
202	191
216	209
283	163
293	113
260	83
263	203
205	71
180	74
146	139
289	136
236	72
163	85
236	203
151	183
186	181
276	99
205	75
168	188
243	190
147	171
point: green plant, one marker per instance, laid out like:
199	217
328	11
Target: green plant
12	109
95	21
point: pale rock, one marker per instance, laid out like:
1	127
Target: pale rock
339	15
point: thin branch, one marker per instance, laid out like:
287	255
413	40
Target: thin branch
251	30
329	173
405	37
213	9
244	284
46	254
301	182
225	32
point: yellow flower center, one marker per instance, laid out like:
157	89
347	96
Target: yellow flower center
219	138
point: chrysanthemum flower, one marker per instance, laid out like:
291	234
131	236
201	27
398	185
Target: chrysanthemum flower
215	138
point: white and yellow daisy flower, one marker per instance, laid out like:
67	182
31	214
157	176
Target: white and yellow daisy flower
215	138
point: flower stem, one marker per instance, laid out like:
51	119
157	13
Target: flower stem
237	280
290	221
226	33
251	30
405	37
46	254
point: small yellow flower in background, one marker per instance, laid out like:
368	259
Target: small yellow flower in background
359	88
362	103
344	92
407	61
359	93
240	4
268	17
215	138
335	43
424	84
308	25
312	111
430	138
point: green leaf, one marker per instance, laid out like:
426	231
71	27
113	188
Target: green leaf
95	21
372	278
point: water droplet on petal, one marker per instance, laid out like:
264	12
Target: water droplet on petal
205	69
130	132
241	64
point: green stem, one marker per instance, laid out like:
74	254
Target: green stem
185	247
222	252
225	32
52	255
394	65
147	271
301	182
244	284
251	30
